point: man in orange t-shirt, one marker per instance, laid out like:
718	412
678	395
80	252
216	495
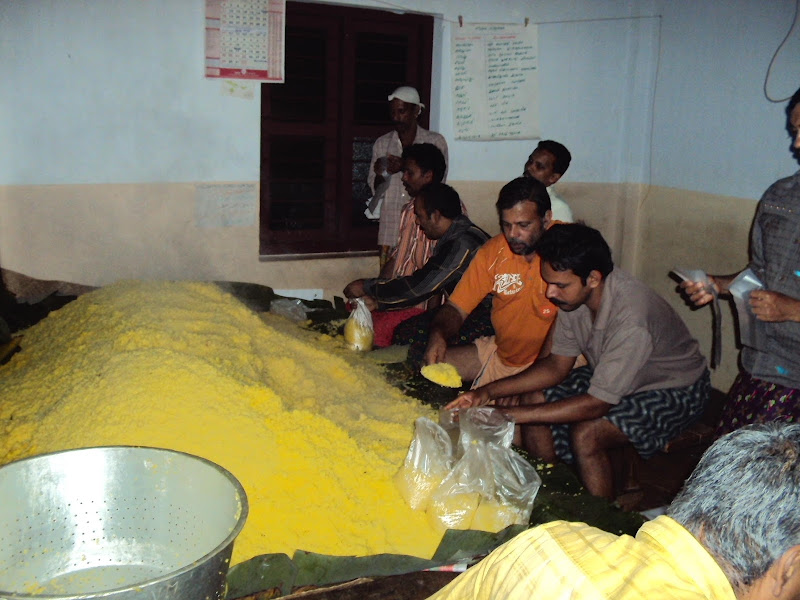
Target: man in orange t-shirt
507	268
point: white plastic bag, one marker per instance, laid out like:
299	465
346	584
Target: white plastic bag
373	210
358	331
429	460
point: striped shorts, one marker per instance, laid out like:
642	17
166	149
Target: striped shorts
648	419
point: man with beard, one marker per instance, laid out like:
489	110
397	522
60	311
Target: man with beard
387	163
645	381
507	268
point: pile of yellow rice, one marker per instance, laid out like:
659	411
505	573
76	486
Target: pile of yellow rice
311	430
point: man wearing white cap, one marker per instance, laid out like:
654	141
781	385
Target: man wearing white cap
387	164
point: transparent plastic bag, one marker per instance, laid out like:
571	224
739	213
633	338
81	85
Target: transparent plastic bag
358	331
700	276
428	462
448	422
516	484
486	424
751	331
454	503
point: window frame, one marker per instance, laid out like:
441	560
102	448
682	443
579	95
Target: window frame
340	127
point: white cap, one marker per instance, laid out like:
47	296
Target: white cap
406	93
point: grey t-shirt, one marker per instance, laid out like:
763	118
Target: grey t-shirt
636	343
775	258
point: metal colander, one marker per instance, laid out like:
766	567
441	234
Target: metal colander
117	522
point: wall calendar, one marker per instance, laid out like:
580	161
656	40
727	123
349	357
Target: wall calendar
245	39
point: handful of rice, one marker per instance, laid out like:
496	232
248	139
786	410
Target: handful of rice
443	374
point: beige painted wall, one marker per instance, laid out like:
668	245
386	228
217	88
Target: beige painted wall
696	231
96	234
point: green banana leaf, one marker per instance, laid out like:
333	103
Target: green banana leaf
279	575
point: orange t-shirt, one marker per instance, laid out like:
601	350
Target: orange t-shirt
521	314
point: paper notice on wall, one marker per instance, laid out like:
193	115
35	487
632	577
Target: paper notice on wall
245	39
495	82
226	205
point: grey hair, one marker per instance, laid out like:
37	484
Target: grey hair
743	500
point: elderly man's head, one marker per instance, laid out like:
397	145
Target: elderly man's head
405	108
741	503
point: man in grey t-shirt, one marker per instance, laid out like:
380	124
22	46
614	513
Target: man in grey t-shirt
645	380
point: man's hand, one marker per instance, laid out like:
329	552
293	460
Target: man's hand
394	164
435	350
698	291
774	307
476	397
354	289
390	162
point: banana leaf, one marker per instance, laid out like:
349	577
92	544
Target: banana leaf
274	575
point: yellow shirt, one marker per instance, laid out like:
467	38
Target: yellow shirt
577	562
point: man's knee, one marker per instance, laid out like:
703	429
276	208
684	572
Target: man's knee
538	441
465	360
596	435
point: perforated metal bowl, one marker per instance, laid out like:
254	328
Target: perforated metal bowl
117	523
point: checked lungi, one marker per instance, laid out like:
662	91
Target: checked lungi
649	419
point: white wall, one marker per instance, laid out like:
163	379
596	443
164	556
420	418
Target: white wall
112	91
714	130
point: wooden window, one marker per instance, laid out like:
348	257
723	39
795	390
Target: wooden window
317	129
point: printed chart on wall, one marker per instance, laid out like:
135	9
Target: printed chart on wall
495	81
245	39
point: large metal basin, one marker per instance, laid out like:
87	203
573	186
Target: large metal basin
118	523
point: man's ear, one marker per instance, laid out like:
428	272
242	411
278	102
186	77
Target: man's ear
427	178
785	574
594	279
547	219
554	177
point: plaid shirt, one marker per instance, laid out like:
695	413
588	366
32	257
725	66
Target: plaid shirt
414	248
578	562
451	256
396	196
775	258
